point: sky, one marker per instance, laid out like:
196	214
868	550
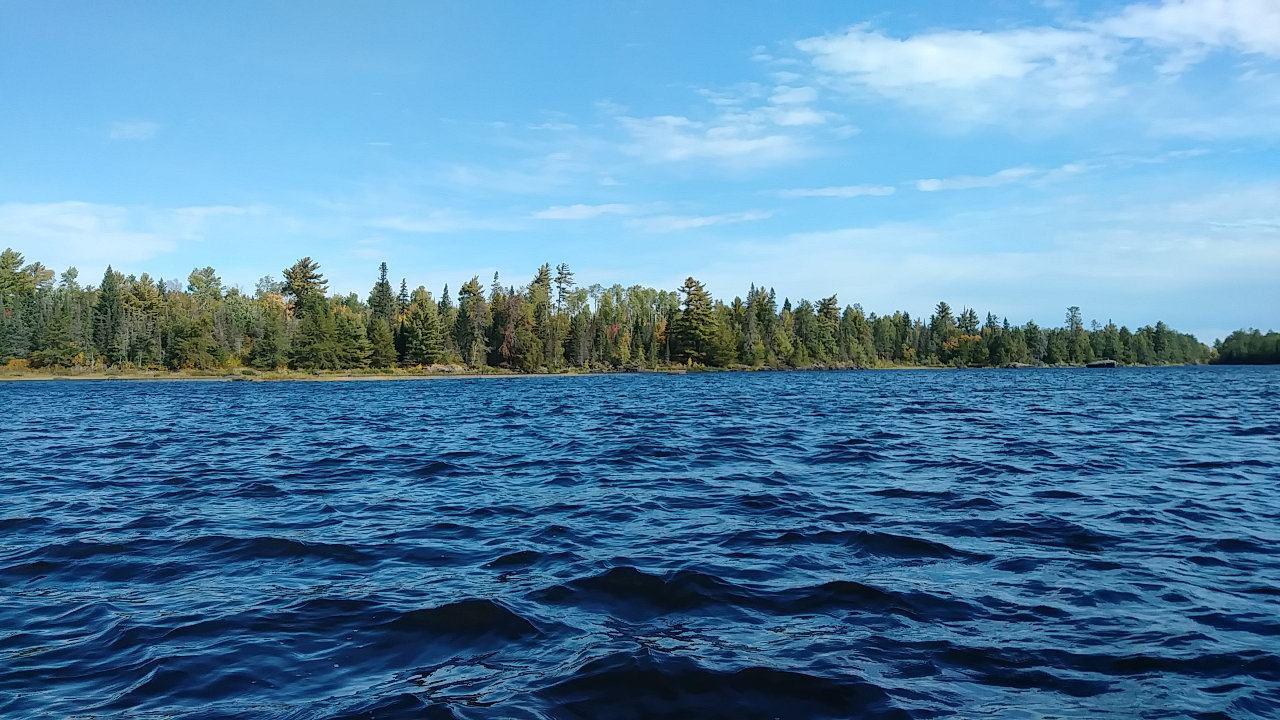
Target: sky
1011	156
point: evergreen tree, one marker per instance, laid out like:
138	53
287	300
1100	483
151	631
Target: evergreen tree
304	283
473	322
14	280
108	319
423	340
402	299
354	348
204	284
270	349
695	325
382	345
564	284
316	345
942	327
382	304
55	346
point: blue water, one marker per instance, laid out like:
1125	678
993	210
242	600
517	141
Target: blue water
1014	544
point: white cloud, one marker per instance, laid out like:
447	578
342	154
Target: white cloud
973	74
676	223
844	191
753	126
670	138
785	95
994	76
584	212
140	130
968	182
1251	26
91	234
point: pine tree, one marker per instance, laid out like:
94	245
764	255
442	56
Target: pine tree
564	283
304	283
695	325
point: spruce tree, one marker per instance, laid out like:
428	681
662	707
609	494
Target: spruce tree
353	344
108	320
423	342
402	300
382	303
382	350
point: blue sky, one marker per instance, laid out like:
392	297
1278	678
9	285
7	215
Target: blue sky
1010	156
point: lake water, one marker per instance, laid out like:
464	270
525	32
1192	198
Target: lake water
1014	544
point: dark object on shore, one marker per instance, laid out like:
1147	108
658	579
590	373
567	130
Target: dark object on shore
1102	364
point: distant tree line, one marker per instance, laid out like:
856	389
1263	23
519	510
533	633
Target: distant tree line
1248	347
549	323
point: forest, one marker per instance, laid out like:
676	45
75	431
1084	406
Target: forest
549	324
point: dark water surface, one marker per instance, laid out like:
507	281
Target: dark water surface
1015	544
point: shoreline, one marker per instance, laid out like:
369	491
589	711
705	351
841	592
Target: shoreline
338	376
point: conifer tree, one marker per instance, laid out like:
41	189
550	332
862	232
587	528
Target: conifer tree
382	304
564	283
304	283
402	299
315	345
108	319
423	341
354	348
473	322
382	345
695	325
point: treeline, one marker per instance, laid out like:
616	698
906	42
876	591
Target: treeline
1249	347
549	323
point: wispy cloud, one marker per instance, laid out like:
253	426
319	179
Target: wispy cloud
676	223
968	182
139	130
751	126
843	191
673	138
81	233
1030	174
584	212
438	221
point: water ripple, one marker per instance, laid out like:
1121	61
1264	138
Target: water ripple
796	545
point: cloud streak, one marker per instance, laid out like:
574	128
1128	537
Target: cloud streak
677	223
584	212
126	131
843	191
